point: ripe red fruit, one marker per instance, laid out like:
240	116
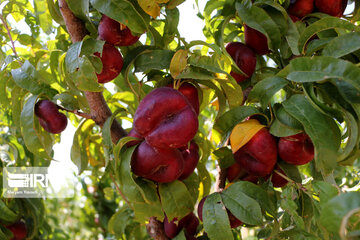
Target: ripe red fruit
256	40
49	116
277	180
200	208
296	149
301	8
190	223
258	156
133	133
166	119
157	164
115	33
334	8
191	94
19	230
191	159
112	62
245	59
294	18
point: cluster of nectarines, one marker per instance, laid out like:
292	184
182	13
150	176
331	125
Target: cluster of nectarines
258	157
165	122
189	223
301	8
114	34
244	55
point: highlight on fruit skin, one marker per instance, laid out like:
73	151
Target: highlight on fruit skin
157	164
49	116
301	8
112	62
115	33
258	156
166	119
297	149
244	57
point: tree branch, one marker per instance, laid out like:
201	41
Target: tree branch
99	108
220	179
100	111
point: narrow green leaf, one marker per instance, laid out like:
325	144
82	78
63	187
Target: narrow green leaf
343	45
7	214
264	90
36	139
321	25
322	130
153	59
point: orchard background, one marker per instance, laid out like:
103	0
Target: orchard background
301	75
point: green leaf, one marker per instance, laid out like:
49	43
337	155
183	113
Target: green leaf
43	16
55	12
279	129
7	215
81	69
205	178
291	171
264	90
342	45
258	19
321	68
224	156
288	204
322	130
255	192
321	25
244	208
120	220
233	92
285	118
106	130
192	184
215	218
153	59
28	78
36	139
175	199
231	118
180	236
79	150
325	190
124	12
339	209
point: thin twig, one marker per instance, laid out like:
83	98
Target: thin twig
77	112
9	34
220	179
119	190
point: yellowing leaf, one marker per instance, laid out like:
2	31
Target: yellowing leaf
151	7
243	132
162	1
178	62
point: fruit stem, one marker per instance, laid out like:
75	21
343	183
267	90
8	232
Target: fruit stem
77	112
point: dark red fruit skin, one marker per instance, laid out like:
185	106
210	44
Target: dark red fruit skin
133	133
234	222
200	208
49	116
19	230
191	159
245	59
301	8
191	94
334	8
234	172
296	149
294	18
112	32
258	156
156	164
277	180
166	119
112	62
190	223
256	40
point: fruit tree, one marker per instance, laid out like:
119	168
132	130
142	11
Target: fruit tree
253	133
